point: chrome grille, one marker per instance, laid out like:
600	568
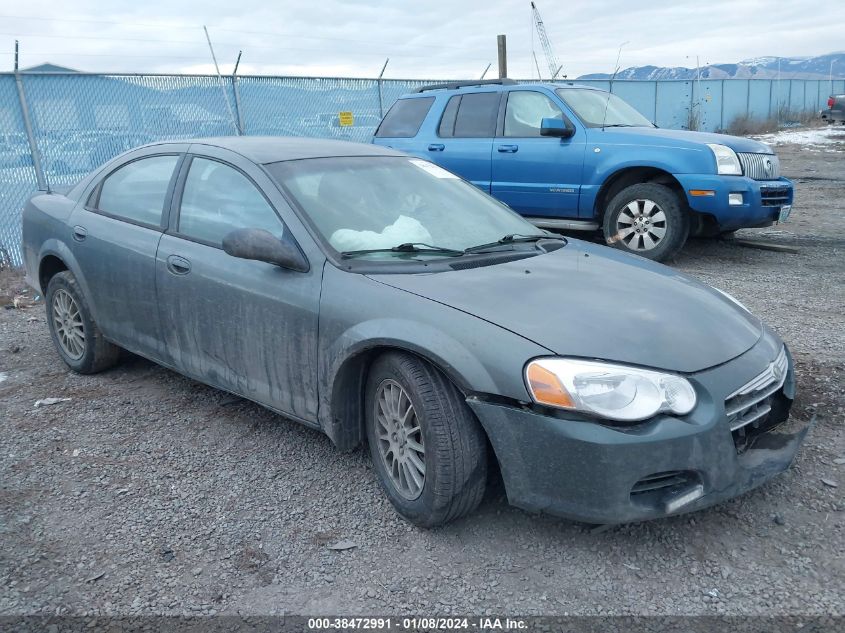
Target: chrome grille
751	402
760	166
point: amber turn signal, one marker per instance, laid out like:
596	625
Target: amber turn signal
546	388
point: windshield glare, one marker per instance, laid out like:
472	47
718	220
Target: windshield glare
372	202
590	106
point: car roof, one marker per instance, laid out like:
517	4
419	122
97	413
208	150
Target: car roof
274	149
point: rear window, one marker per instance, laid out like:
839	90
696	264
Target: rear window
404	119
471	115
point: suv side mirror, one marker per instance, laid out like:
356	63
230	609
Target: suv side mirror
556	127
263	246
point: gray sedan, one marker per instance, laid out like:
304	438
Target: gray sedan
385	301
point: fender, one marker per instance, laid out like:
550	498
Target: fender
446	353
57	248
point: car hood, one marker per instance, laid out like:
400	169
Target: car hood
592	301
685	137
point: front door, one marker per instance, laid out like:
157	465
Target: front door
538	176
242	325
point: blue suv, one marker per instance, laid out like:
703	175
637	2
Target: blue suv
571	157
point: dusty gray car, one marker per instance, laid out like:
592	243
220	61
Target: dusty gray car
385	301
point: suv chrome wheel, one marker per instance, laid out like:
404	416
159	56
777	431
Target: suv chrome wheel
400	439
641	225
67	320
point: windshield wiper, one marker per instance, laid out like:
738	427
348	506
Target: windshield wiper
514	238
407	247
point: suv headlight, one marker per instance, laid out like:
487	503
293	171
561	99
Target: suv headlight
727	162
615	392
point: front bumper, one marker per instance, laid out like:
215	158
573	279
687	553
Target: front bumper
761	199
584	471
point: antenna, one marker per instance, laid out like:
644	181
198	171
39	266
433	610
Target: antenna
610	92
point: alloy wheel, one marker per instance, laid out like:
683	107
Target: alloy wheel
67	321
641	225
400	439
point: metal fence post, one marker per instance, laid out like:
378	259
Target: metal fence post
379	82
771	86
655	102
238	107
30	136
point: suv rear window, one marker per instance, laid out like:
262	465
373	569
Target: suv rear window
404	119
470	115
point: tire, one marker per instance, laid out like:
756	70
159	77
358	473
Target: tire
455	448
68	312
648	206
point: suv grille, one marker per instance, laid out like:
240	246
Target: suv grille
751	403
760	166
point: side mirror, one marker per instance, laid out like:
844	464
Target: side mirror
263	246
556	127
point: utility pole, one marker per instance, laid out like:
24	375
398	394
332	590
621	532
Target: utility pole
503	56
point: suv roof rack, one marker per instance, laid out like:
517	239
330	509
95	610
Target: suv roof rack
454	85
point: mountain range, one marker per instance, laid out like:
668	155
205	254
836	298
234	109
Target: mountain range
818	67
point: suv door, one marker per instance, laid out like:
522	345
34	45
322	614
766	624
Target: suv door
465	134
114	237
242	325
538	176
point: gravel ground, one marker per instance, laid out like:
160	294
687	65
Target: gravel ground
149	493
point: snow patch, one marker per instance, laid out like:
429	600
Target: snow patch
813	137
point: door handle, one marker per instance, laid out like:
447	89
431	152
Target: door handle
80	233
436	147
178	265
508	149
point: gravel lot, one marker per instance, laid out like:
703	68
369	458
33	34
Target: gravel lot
149	493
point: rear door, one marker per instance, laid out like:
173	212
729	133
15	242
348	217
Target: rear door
465	134
114	239
536	175
246	326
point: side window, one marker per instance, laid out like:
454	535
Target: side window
404	119
447	122
526	110
476	115
218	199
137	190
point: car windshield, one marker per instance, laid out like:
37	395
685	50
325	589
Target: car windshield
597	108
382	202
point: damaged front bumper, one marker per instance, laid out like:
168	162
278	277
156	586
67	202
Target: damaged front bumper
586	471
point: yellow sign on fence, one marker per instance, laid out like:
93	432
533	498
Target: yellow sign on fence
346	119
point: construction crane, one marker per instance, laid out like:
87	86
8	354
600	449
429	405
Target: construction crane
554	67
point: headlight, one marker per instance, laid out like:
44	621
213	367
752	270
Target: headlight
727	162
616	392
732	298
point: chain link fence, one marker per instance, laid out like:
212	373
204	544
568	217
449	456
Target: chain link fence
79	121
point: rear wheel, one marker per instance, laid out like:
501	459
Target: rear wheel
76	336
428	450
647	219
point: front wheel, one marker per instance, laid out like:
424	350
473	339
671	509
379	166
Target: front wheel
428	450
647	219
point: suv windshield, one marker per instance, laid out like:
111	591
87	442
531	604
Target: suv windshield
597	108
383	202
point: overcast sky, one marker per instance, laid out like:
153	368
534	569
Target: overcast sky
423	38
